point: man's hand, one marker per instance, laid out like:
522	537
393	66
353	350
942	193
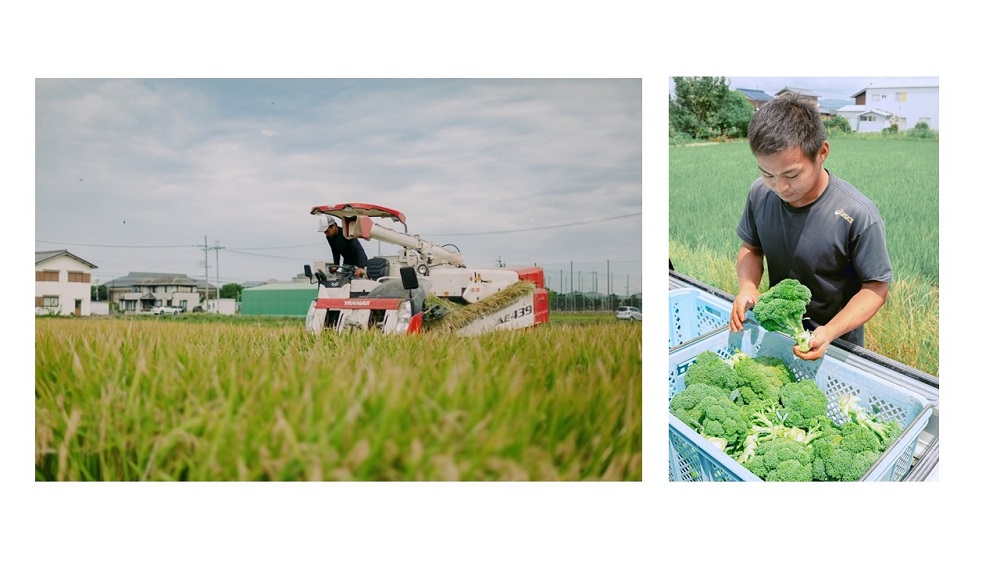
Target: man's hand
818	343
742	303
749	269
859	310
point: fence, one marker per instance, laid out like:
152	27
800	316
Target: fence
593	286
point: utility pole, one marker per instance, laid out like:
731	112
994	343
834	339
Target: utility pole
205	247
572	298
596	292
206	271
217	247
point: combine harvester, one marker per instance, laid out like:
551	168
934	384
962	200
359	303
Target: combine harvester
425	286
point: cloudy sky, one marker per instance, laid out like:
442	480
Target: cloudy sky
138	175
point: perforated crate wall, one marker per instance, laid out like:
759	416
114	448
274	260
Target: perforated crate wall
694	312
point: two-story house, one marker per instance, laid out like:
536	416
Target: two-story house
900	101
62	283
143	291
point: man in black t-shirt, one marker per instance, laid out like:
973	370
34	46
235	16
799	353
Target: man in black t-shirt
350	250
811	226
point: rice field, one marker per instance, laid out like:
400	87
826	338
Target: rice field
708	186
200	399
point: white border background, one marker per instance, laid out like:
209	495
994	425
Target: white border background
652	520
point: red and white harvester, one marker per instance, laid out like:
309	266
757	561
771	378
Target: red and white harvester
424	285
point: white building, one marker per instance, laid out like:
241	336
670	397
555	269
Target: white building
62	284
227	307
143	291
865	120
899	101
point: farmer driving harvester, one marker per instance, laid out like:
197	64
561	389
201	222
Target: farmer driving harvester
389	292
342	247
355	257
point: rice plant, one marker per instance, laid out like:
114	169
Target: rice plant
129	399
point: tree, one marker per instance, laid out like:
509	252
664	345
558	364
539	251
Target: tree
231	291
922	130
838	123
99	292
735	114
704	107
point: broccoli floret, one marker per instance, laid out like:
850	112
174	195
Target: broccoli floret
709	368
709	410
781	309
803	403
760	380
685	402
845	454
782	460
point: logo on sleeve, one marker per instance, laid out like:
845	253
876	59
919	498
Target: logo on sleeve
840	213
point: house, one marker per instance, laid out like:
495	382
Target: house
900	101
62	284
142	291
808	95
864	120
756	98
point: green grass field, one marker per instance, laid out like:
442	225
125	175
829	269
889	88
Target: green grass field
239	399
708	187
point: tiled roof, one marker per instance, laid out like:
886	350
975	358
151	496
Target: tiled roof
51	254
756	95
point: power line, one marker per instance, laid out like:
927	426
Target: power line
538	227
243	250
109	245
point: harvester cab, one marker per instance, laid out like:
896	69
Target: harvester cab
423	280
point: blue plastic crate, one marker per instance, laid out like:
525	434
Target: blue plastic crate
693	458
694	313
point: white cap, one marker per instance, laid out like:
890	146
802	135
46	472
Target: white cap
325	222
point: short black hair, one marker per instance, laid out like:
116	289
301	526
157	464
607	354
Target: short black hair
786	122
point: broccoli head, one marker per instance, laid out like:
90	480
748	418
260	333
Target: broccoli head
846	453
709	410
710	368
759	381
803	403
781	309
782	460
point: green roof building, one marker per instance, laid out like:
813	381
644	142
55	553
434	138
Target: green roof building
278	299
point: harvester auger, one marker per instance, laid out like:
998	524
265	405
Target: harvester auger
423	287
